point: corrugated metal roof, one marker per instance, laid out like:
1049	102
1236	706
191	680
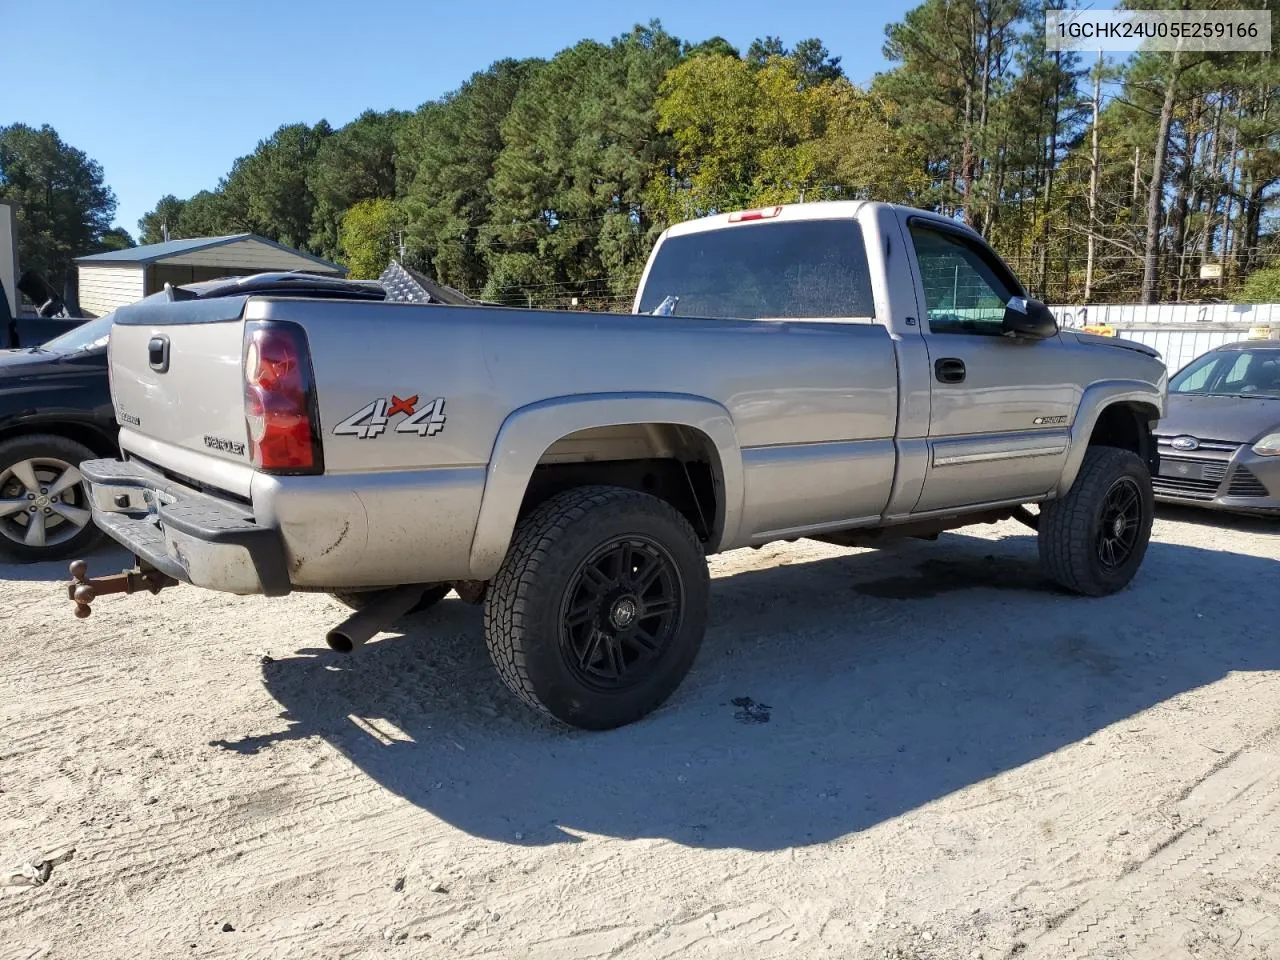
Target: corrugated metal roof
151	252
154	252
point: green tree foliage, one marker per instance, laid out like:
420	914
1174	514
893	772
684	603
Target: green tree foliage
748	135
716	46
579	148
952	65
208	214
445	160
64	208
536	182
269	191
166	215
1263	286
815	63
761	50
355	163
811	58
117	238
369	235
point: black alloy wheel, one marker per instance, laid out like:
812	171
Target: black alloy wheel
599	608
1120	523
1093	539
620	613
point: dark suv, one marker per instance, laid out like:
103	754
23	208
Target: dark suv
55	412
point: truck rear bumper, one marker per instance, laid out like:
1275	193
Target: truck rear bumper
189	535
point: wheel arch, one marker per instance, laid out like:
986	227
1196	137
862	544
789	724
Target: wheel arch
570	425
91	435
1117	413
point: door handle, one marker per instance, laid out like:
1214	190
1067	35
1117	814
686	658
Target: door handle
158	354
949	370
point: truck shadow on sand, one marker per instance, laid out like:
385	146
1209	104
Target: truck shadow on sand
888	679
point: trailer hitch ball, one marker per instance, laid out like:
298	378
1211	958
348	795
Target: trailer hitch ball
83	590
83	595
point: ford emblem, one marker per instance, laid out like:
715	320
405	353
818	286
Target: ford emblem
1185	443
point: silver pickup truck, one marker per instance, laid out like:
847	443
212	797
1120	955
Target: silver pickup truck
846	371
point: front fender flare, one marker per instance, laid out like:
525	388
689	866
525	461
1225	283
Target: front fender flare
527	432
1096	398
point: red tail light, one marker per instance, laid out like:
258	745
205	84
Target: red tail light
279	399
763	214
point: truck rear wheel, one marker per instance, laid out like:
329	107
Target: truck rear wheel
357	599
1092	540
600	606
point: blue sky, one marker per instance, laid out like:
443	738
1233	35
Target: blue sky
165	95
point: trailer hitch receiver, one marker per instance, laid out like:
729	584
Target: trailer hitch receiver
83	589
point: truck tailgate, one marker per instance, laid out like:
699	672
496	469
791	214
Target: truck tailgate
177	380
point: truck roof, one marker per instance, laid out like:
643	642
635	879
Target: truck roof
816	210
821	210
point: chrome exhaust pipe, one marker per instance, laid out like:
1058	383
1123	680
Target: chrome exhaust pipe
358	628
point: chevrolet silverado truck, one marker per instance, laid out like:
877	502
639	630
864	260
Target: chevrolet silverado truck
848	372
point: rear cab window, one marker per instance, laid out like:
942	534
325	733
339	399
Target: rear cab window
791	269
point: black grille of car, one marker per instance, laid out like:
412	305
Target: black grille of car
1202	487
1183	487
1245	484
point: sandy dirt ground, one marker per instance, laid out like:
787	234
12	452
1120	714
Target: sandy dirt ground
941	757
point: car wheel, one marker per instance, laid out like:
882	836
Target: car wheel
599	608
1092	540
358	599
44	505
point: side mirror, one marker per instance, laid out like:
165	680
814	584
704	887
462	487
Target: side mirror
1028	319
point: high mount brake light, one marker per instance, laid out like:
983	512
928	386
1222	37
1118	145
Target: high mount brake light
762	214
279	400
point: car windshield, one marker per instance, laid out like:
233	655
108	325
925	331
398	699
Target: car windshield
1231	373
87	336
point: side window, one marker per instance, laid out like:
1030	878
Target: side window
1235	376
963	291
1196	380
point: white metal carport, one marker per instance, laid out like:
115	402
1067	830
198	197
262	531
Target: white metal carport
118	277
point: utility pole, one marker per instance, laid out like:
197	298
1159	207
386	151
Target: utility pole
1151	256
1093	178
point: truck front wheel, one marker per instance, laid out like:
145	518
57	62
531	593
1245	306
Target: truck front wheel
1092	540
599	608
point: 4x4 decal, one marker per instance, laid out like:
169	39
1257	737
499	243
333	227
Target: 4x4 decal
372	419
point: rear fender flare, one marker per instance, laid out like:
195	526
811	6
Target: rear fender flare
528	432
1096	398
